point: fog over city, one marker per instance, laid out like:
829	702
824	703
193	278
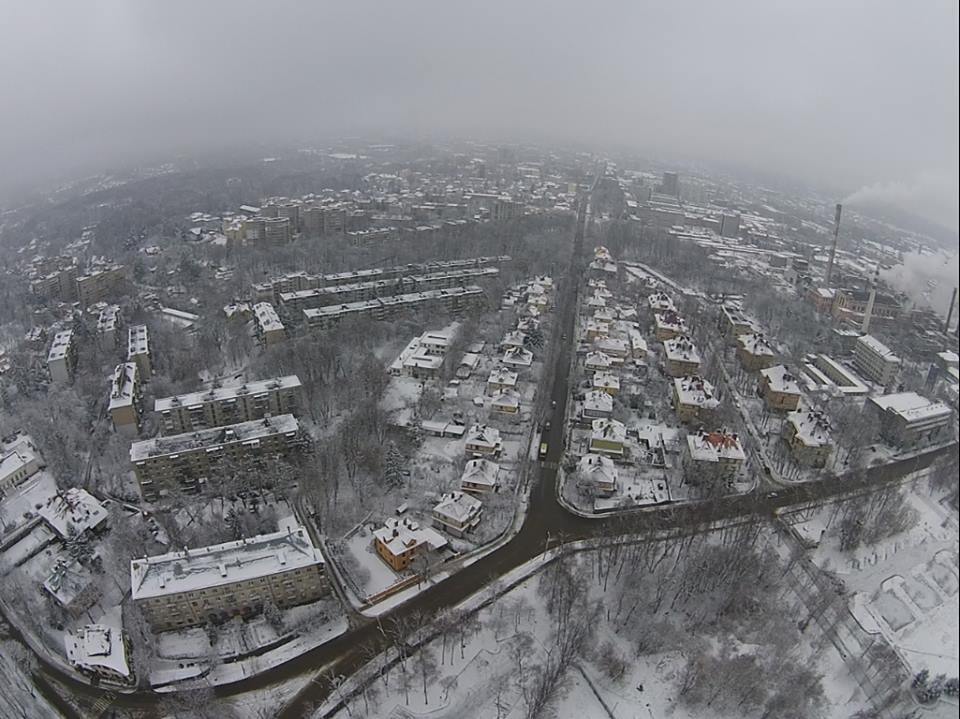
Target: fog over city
853	97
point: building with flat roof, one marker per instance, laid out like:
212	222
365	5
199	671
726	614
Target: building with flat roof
692	396
267	326
62	357
907	419
453	299
74	587
755	352
807	433
875	361
608	436
138	350
126	399
73	510
100	284
109	324
844	380
212	584
19	460
850	305
184	461
423	357
713	454
733	323
779	388
668	325
220	406
100	651
683	359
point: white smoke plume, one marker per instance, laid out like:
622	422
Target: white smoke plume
927	279
930	194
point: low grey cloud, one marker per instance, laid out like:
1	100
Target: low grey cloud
845	94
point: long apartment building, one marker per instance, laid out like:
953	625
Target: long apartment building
55	278
126	398
62	357
908	419
211	584
228	405
184	461
454	299
293	303
138	350
875	360
298	281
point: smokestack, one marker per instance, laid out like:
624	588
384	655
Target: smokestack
953	302
833	248
873	296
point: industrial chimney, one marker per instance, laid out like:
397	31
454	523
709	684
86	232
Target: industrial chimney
873	296
833	248
953	302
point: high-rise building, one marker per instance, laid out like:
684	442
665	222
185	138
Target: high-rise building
138	350
670	184
62	358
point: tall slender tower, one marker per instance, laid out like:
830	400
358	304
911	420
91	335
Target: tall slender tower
873	296
953	302
833	248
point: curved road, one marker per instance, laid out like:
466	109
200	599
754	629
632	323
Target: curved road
546	522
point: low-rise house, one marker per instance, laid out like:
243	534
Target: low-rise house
908	419
682	356
807	433
714	454
755	352
692	395
501	379
126	399
401	540
605	314
607	382
638	345
515	338
595	329
506	401
608	436
668	325
597	361
480	476
660	302
73	510
211	584
518	357
779	388
19	460
99	651
614	347
600	472
597	404
74	587
457	513
483	440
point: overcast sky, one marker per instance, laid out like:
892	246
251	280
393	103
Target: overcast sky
846	95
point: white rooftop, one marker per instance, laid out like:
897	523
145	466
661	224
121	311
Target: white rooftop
399	535
216	436
696	391
97	647
223	394
72	507
714	446
812	427
780	379
911	406
219	564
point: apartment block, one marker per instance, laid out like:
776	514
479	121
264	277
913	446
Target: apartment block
212	584
138	350
267	325
126	405
454	299
229	405
875	360
779	388
692	396
683	359
100	284
184	461
755	352
713	454
109	326
62	358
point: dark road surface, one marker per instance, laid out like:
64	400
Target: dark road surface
546	521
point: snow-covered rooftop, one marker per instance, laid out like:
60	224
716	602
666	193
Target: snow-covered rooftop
401	534
696	391
223	394
780	379
208	438
911	406
220	564
72	507
714	446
